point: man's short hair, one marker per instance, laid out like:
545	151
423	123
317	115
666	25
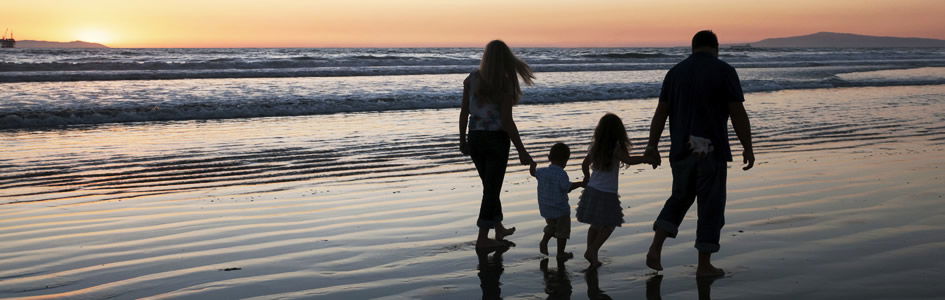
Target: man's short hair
559	152
705	38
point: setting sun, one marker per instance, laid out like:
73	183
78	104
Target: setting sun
93	35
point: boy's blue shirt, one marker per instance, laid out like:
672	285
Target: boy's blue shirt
553	188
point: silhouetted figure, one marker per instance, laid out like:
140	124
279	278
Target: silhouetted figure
557	281
698	96
600	204
593	286
553	187
490	269
488	97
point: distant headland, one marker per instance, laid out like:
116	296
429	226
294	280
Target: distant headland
47	44
815	40
846	40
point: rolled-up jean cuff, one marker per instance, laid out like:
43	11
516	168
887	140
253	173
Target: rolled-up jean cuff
670	228
487	224
707	247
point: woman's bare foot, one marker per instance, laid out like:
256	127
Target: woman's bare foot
501	233
709	271
489	243
592	259
543	247
653	260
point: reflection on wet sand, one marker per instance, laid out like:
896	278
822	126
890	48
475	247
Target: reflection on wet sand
593	286
653	287
490	270
703	284
557	281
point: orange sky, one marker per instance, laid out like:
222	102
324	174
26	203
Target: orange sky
404	23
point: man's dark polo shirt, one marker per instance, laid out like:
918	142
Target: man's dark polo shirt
697	91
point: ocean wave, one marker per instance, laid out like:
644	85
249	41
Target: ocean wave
307	58
628	55
317	68
248	106
26	65
379	57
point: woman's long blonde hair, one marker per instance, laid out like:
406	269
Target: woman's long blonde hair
499	72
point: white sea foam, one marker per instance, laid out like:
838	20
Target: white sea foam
54	87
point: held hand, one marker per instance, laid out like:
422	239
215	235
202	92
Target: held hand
653	156
749	159
463	148
524	158
653	161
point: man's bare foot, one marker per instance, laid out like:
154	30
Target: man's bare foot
709	271
653	260
543	247
501	233
489	243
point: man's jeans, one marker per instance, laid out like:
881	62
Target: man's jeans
490	152
696	178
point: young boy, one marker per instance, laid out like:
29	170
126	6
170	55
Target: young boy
553	188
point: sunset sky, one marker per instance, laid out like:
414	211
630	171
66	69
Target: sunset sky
405	23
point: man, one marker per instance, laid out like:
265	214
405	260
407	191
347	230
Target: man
698	96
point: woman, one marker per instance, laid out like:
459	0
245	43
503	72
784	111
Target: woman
488	97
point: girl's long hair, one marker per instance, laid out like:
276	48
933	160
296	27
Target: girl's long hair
608	136
499	72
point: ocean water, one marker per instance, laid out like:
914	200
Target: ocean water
44	88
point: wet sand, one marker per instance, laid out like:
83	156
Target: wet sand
845	202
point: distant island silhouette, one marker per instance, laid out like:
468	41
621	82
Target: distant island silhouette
846	40
815	40
48	44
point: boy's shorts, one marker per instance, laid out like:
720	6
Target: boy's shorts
559	227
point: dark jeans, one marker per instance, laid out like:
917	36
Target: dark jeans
702	179
490	152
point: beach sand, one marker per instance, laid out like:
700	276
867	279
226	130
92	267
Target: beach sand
845	201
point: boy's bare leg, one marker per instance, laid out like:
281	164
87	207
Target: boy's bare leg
705	268
656	250
543	245
562	255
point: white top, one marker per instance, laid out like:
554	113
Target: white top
605	180
482	116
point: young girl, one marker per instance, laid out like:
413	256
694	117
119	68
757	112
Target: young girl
488	96
600	205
